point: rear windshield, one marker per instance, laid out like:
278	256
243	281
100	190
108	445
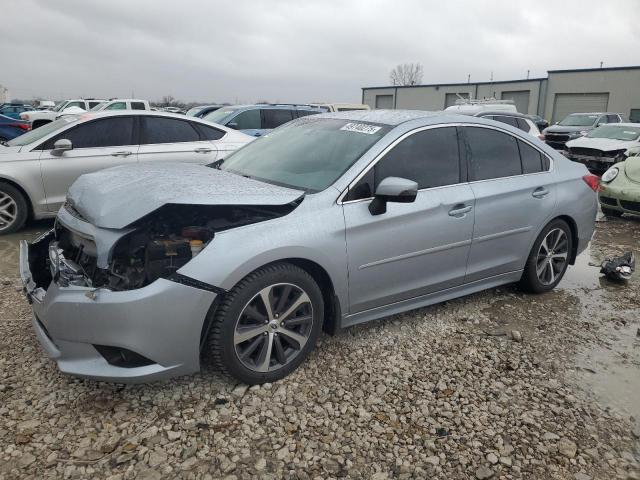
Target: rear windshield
616	132
308	154
577	120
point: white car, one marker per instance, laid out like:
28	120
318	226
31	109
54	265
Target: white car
42	117
122	104
38	167
341	107
605	145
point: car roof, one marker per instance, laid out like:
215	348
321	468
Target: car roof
502	113
595	113
86	116
386	117
624	124
273	106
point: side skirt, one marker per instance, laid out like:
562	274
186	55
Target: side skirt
430	298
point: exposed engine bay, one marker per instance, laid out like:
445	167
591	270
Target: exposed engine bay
158	245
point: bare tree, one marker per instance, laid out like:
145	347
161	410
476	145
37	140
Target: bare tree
406	74
168	100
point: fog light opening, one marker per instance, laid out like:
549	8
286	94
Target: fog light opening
121	357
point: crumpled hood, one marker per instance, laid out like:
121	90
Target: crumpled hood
604	144
117	197
563	129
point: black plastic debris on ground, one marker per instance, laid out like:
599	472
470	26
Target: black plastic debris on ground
619	268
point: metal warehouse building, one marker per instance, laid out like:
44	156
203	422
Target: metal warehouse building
562	92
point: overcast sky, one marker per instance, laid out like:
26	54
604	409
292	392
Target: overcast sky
297	50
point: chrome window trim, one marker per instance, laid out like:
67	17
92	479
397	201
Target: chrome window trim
381	155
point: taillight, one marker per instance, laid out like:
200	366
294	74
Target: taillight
23	126
593	181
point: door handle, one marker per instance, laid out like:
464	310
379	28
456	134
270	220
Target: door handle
460	210
203	150
121	154
540	192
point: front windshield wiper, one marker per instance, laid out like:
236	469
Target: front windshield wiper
4	142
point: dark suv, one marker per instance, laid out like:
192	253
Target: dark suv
576	125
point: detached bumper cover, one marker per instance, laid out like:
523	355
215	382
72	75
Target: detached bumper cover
162	322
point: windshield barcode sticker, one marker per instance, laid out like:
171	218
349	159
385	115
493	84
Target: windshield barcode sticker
360	128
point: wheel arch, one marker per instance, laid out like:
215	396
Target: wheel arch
332	312
22	190
573	226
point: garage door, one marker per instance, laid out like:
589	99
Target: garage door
384	101
520	98
451	98
566	103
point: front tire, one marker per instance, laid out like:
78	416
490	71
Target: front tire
548	259
267	324
13	209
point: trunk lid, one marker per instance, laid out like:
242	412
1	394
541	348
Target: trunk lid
117	197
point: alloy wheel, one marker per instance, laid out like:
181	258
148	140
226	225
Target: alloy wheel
8	211
273	327
552	256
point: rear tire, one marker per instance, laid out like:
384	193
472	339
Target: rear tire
610	212
13	209
255	343
548	259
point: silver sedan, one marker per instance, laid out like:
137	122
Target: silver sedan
326	222
37	168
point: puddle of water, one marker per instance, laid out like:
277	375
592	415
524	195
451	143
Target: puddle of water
10	250
609	371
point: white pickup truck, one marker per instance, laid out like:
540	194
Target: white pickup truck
37	118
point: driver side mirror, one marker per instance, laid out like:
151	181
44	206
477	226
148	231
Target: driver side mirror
393	189
61	146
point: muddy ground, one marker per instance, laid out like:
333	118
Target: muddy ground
447	391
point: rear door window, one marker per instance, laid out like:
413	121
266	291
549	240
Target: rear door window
530	157
491	154
247	120
274	117
207	132
613	119
168	130
508	120
137	106
523	125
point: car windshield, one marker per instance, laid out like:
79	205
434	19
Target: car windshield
192	111
308	154
99	106
616	132
58	106
577	120
41	132
218	115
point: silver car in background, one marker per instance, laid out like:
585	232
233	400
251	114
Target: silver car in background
38	167
326	222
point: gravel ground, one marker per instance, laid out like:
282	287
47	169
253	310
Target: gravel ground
481	387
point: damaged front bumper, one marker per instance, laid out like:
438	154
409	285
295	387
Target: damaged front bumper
600	164
130	336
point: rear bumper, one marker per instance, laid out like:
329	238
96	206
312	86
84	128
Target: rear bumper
161	322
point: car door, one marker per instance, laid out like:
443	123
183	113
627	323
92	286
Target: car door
414	248
515	196
167	139
97	144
